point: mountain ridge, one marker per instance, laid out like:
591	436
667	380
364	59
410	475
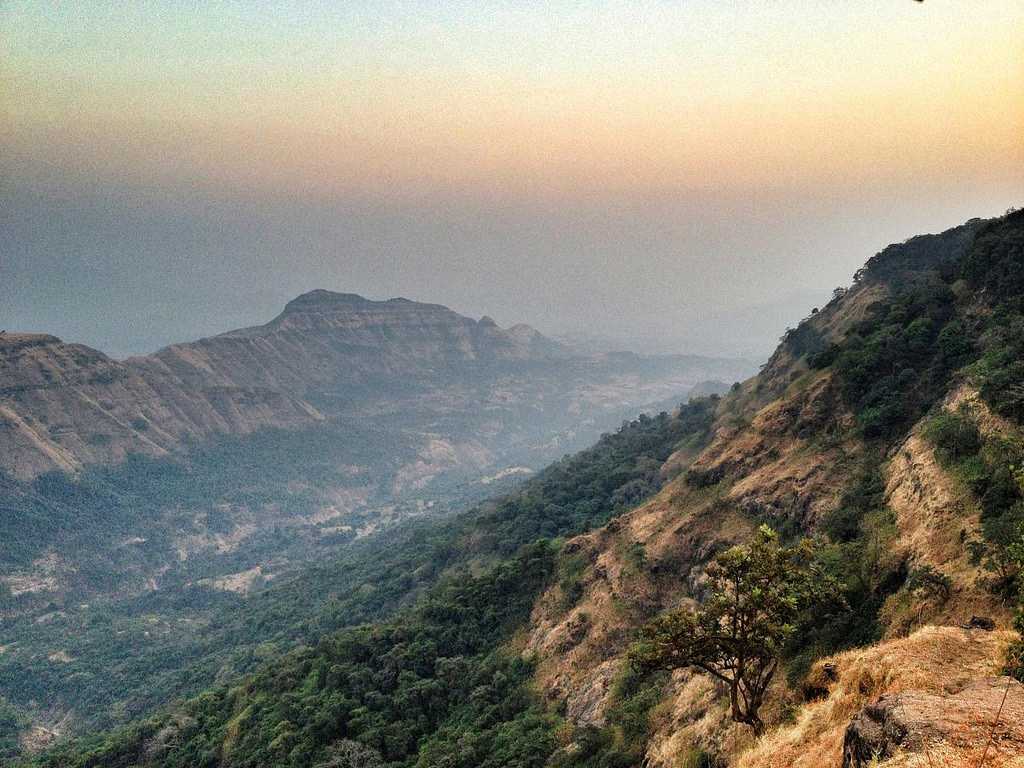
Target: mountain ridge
160	491
64	405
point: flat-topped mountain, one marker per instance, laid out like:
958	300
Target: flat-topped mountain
398	327
403	327
328	343
64	406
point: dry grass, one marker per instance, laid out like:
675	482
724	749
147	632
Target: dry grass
933	659
934	514
695	714
955	756
767	468
577	663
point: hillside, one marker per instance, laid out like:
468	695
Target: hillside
229	460
130	660
888	426
156	493
335	347
64	406
843	435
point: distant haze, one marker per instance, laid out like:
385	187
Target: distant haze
682	176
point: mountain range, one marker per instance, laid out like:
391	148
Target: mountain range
65	406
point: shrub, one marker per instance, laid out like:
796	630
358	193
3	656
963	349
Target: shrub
929	583
953	435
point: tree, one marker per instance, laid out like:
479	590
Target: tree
760	594
351	754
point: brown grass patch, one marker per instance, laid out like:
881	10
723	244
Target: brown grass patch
933	659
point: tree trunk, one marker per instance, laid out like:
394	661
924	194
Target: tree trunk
757	725
750	715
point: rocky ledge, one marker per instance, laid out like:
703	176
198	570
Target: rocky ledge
988	711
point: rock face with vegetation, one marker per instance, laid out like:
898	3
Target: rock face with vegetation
869	431
64	406
879	449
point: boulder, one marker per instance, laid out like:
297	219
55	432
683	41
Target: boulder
914	720
981	622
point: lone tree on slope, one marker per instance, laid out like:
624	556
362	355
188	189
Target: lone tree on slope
760	594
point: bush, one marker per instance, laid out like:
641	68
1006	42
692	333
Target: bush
824	358
866	493
954	436
930	583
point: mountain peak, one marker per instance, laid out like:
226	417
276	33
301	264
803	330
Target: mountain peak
410	329
19	340
324	298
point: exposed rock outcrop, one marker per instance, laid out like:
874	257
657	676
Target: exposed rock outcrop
933	661
990	710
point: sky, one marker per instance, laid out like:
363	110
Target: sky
684	175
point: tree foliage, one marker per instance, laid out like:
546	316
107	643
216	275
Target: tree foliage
434	686
124	669
895	363
428	682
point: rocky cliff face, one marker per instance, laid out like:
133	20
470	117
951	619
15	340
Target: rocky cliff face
326	343
63	406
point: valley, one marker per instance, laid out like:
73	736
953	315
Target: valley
143	498
432	384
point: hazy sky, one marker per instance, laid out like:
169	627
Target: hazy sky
696	171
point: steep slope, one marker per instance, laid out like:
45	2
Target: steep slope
934	660
837	436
